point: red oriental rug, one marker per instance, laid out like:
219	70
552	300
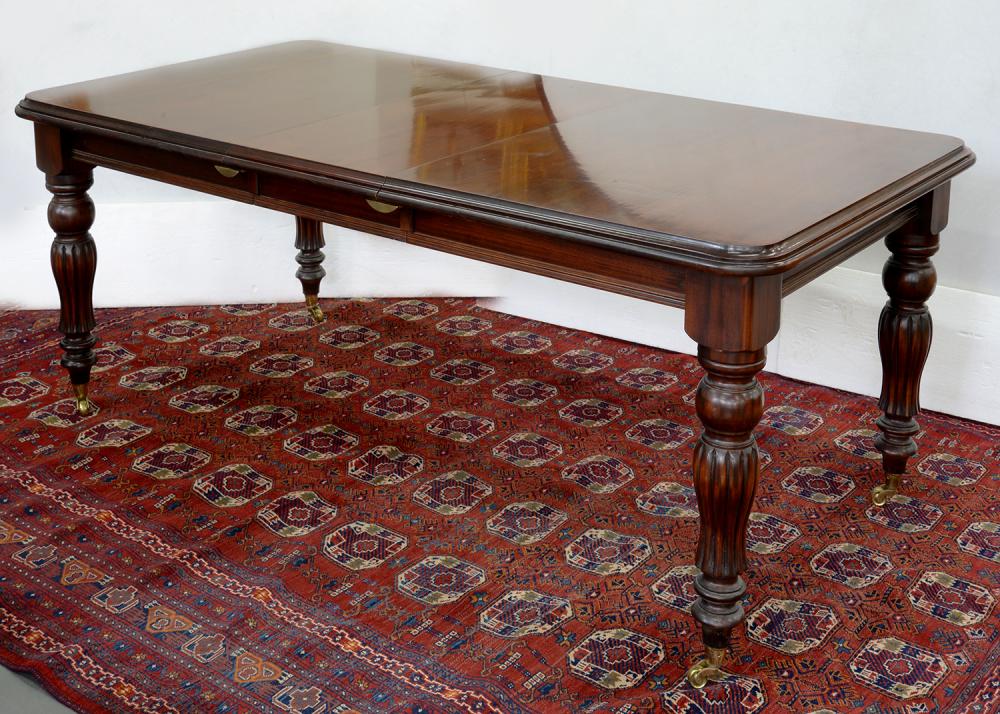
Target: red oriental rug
423	506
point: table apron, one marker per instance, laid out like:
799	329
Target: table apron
542	252
645	277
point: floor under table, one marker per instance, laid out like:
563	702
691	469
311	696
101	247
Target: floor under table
422	505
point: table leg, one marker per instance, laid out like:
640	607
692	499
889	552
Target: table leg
309	241
730	402
732	319
74	261
904	338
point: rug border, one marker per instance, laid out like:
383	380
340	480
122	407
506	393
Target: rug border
45	675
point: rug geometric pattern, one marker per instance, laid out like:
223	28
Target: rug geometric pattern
425	506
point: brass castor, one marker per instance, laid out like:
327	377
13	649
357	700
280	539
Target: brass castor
883	493
312	305
82	403
708	669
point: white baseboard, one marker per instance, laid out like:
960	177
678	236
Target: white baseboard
207	252
828	334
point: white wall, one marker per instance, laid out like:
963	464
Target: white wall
915	63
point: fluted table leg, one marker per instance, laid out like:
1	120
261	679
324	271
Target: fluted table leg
309	241
904	336
730	402
74	262
732	319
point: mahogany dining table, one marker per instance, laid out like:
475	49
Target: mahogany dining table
719	209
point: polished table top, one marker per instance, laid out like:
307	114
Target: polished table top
725	179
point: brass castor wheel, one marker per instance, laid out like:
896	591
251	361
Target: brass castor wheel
82	402
312	305
708	669
882	494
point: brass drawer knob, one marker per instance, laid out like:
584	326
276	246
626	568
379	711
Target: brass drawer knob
382	207
226	171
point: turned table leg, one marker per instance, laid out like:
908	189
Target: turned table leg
904	336
74	261
309	241
732	319
730	402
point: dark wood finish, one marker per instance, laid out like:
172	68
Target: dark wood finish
347	203
732	320
717	208
73	254
692	182
309	241
904	334
74	263
533	252
729	402
200	172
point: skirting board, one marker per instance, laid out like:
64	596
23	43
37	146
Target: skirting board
210	252
828	334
